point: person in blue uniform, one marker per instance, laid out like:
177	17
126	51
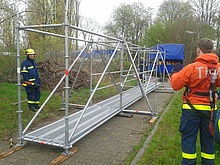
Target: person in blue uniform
142	68
217	128
31	80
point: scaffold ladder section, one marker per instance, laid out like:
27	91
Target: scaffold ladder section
95	115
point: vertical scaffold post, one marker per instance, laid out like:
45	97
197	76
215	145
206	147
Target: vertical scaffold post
66	27
91	72
20	140
121	75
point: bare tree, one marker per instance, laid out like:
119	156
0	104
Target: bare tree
76	19
171	10
49	12
206	10
129	21
91	25
7	24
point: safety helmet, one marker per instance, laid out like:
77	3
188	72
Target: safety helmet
30	51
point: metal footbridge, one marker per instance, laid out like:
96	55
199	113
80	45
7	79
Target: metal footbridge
94	116
71	128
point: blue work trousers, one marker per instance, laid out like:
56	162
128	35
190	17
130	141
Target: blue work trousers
191	123
217	128
33	96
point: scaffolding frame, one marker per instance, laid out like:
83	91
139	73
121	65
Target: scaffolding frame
120	44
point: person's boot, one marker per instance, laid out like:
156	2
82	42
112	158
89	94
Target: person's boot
36	106
32	108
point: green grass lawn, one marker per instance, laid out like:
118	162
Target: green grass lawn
8	112
165	147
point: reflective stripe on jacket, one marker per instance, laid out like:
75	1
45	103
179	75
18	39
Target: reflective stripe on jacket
199	107
29	72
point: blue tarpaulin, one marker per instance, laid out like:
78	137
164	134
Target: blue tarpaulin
171	54
169	51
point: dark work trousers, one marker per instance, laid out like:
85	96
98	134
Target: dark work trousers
217	128
141	75
33	96
191	123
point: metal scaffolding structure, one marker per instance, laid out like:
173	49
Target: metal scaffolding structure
68	130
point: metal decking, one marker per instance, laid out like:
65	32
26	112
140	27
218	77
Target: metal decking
94	116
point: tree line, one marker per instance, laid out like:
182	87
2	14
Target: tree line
176	21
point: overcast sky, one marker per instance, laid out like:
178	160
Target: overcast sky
101	10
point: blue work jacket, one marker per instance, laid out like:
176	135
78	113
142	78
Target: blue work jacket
29	72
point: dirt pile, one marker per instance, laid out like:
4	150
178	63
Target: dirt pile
52	72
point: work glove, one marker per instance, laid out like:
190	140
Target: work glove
31	84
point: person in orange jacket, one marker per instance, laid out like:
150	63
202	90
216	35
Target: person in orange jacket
200	80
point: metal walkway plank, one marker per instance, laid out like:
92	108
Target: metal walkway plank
94	116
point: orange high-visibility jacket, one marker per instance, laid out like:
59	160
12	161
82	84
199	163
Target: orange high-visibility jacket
191	76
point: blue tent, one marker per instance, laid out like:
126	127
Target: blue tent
171	53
